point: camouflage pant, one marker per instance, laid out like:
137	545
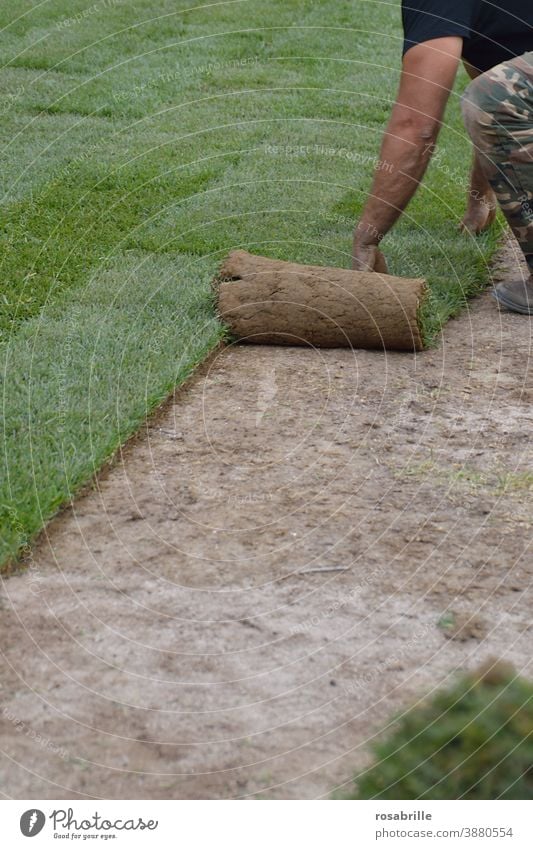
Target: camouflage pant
498	113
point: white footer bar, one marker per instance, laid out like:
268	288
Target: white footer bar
268	824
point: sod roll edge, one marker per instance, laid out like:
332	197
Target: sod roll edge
272	302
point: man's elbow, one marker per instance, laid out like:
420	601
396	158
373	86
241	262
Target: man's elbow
421	130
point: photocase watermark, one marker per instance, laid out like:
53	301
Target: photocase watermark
357	686
356	226
238	498
525	208
23	728
179	72
66	820
328	613
95	9
66	824
10	99
407	262
32	822
43	194
10	518
34	578
341	602
32	575
401	253
294	150
456	176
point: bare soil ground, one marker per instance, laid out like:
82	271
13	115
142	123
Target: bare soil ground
171	636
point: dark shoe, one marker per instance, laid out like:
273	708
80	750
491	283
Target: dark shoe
516	296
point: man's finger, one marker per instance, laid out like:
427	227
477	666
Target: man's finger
381	264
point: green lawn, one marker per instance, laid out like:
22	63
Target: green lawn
140	141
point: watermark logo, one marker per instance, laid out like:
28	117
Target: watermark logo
32	822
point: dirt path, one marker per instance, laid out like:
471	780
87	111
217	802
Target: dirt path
162	644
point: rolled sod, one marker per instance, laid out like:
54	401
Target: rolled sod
271	302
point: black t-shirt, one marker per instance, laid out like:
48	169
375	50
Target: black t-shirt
492	31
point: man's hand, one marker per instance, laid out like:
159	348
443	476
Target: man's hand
428	75
480	211
369	258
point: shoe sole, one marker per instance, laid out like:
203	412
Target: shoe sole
510	305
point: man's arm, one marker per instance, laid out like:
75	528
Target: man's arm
428	75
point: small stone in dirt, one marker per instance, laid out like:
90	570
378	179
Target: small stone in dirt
249	624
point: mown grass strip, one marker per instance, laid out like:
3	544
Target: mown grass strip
51	242
239	124
81	378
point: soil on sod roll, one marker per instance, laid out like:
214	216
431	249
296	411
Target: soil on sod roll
302	543
268	301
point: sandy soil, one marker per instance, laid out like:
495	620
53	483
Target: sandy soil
180	633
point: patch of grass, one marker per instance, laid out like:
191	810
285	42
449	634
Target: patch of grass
87	370
51	242
515	482
471	741
496	482
153	130
38	150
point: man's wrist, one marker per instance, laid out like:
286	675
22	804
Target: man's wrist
367	234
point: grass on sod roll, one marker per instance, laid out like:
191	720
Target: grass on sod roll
471	740
140	142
